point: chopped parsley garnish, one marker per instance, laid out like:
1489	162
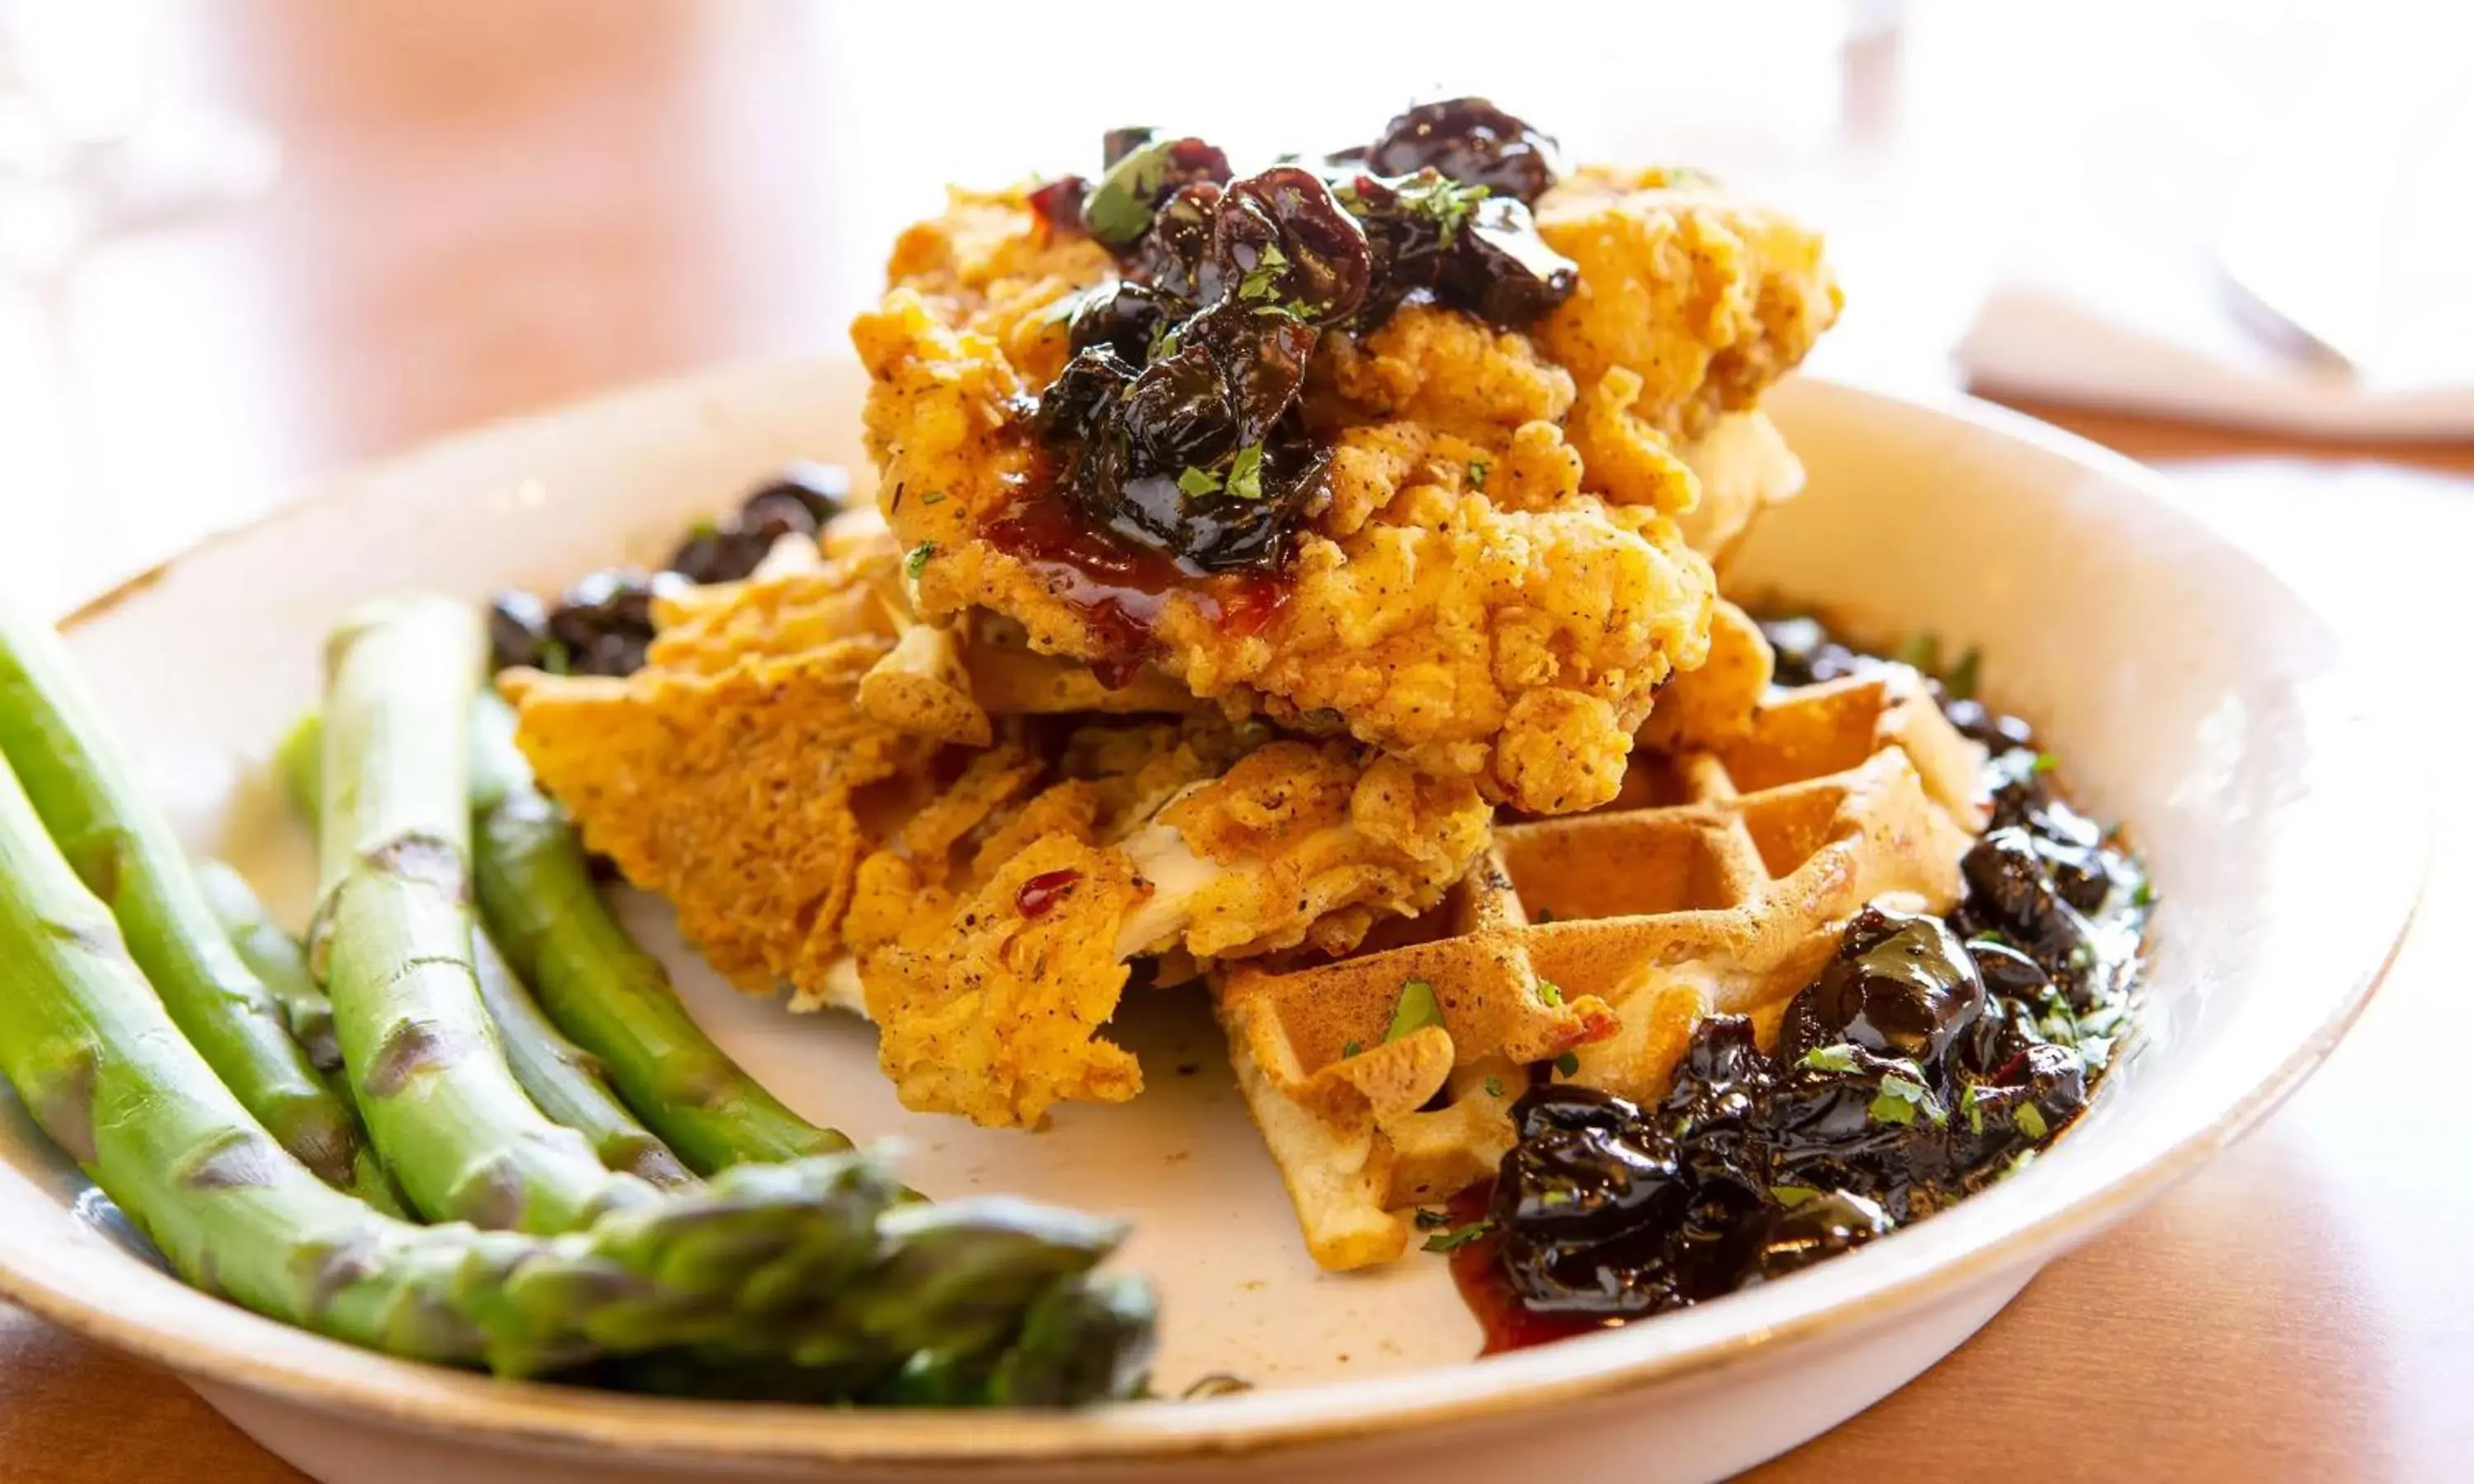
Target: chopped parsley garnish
1549	992
2019	1162
1119	208
1977	1096
933	498
1164	342
1992	935
1568	1064
1792	1196
1902	1097
1417	1009
1246	474
2143	895
554	657
1840	1058
1432	1220
1477	471
2043	763
917	561
1351	1047
1459	1237
1199	482
1494	1087
2030	1121
705	529
1262	281
1441	200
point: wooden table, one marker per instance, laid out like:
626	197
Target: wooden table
489	207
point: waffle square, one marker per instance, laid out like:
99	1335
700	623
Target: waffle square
1715	883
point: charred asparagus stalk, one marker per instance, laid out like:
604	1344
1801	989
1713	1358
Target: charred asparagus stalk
392	939
276	958
563	1080
610	995
781	1260
124	848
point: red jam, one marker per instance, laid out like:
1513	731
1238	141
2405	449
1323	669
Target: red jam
1043	890
1119	591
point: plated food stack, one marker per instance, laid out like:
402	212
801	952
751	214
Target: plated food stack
1392	487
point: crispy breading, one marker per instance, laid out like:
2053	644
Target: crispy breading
731	794
1704	298
1146	838
1423	614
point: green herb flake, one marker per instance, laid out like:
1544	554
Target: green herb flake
1494	1087
1902	1097
1992	935
933	498
1263	280
1430	1220
705	529
555	659
1350	1048
2143	895
2019	1162
1977	1096
2032	1122
1246	473
2043	763
1199	482
917	561
1840	1058
1477	472
1417	1009
1164	342
1459	1237
1120	207
1549	993
1792	1196
1568	1064
1441	200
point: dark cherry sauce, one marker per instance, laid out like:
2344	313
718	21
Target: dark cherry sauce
1043	890
1930	1058
1477	1271
1176	452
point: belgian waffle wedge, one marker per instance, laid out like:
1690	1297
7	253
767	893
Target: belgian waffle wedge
1715	883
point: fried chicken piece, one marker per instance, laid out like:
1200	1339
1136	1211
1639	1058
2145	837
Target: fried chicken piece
1510	634
994	933
731	794
1692	300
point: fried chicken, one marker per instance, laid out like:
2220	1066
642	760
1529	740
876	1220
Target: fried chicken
995	932
1460	601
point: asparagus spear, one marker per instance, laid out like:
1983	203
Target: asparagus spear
124	848
599	988
272	954
393	936
767	1260
563	1080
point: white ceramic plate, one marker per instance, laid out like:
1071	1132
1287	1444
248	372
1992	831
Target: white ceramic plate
2185	690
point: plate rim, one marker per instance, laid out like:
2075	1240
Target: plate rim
338	1378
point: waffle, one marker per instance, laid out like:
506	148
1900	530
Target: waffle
1716	882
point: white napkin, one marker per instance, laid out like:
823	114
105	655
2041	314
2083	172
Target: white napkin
2146	330
2198	252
